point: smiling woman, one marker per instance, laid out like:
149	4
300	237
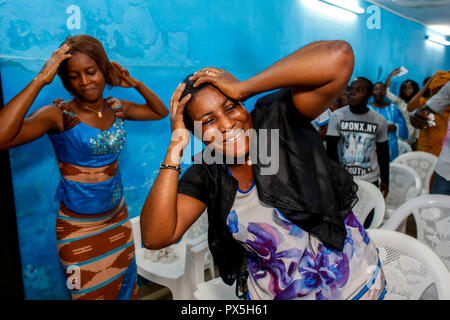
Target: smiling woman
294	227
94	238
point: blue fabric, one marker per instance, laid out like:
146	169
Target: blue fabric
90	198
440	185
87	146
393	115
126	290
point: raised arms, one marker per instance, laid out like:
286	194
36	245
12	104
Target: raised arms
14	129
153	109
317	73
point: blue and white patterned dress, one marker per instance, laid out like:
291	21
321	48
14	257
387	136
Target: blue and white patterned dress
285	262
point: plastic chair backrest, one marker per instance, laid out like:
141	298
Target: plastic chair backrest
404	184
136	227
409	266
432	217
369	197
403	147
422	162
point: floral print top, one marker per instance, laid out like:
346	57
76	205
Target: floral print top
285	262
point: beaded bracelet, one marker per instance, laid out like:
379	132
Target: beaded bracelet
166	166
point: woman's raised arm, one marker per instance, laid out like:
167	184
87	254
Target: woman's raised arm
152	109
317	72
14	130
166	215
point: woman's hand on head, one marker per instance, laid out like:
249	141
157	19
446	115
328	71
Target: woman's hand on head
50	68
223	80
180	134
124	79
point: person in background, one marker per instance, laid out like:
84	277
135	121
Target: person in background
357	137
396	124
321	122
427	93
439	103
431	137
87	133
340	101
408	89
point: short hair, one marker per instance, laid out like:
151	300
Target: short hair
379	82
368	82
91	47
190	89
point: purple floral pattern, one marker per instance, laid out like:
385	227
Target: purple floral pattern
288	270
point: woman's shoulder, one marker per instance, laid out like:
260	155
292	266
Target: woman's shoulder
116	106
69	118
113	103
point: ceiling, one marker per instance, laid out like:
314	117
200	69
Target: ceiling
428	12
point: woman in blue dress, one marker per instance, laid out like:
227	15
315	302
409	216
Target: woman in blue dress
94	236
287	218
397	127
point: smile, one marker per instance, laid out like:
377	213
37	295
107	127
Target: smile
235	136
89	89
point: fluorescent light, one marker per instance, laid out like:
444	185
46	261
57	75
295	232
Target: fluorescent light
438	39
349	5
329	11
443	29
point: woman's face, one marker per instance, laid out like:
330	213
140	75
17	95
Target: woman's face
85	78
224	122
408	89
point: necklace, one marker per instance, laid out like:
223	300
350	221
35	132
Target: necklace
99	113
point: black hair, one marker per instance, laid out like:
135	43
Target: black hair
415	89
190	89
379	82
368	82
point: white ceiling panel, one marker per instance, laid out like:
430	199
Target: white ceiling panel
431	13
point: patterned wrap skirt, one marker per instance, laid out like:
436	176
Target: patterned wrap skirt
97	253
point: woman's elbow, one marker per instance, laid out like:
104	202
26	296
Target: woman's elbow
345	54
151	243
164	114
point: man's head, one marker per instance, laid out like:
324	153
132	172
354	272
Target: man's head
359	92
379	92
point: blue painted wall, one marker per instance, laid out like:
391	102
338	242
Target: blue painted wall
160	42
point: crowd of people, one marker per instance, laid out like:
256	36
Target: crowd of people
362	128
291	234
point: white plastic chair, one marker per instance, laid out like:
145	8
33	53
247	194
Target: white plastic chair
404	184
369	197
410	267
432	217
215	289
403	147
183	273
422	162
